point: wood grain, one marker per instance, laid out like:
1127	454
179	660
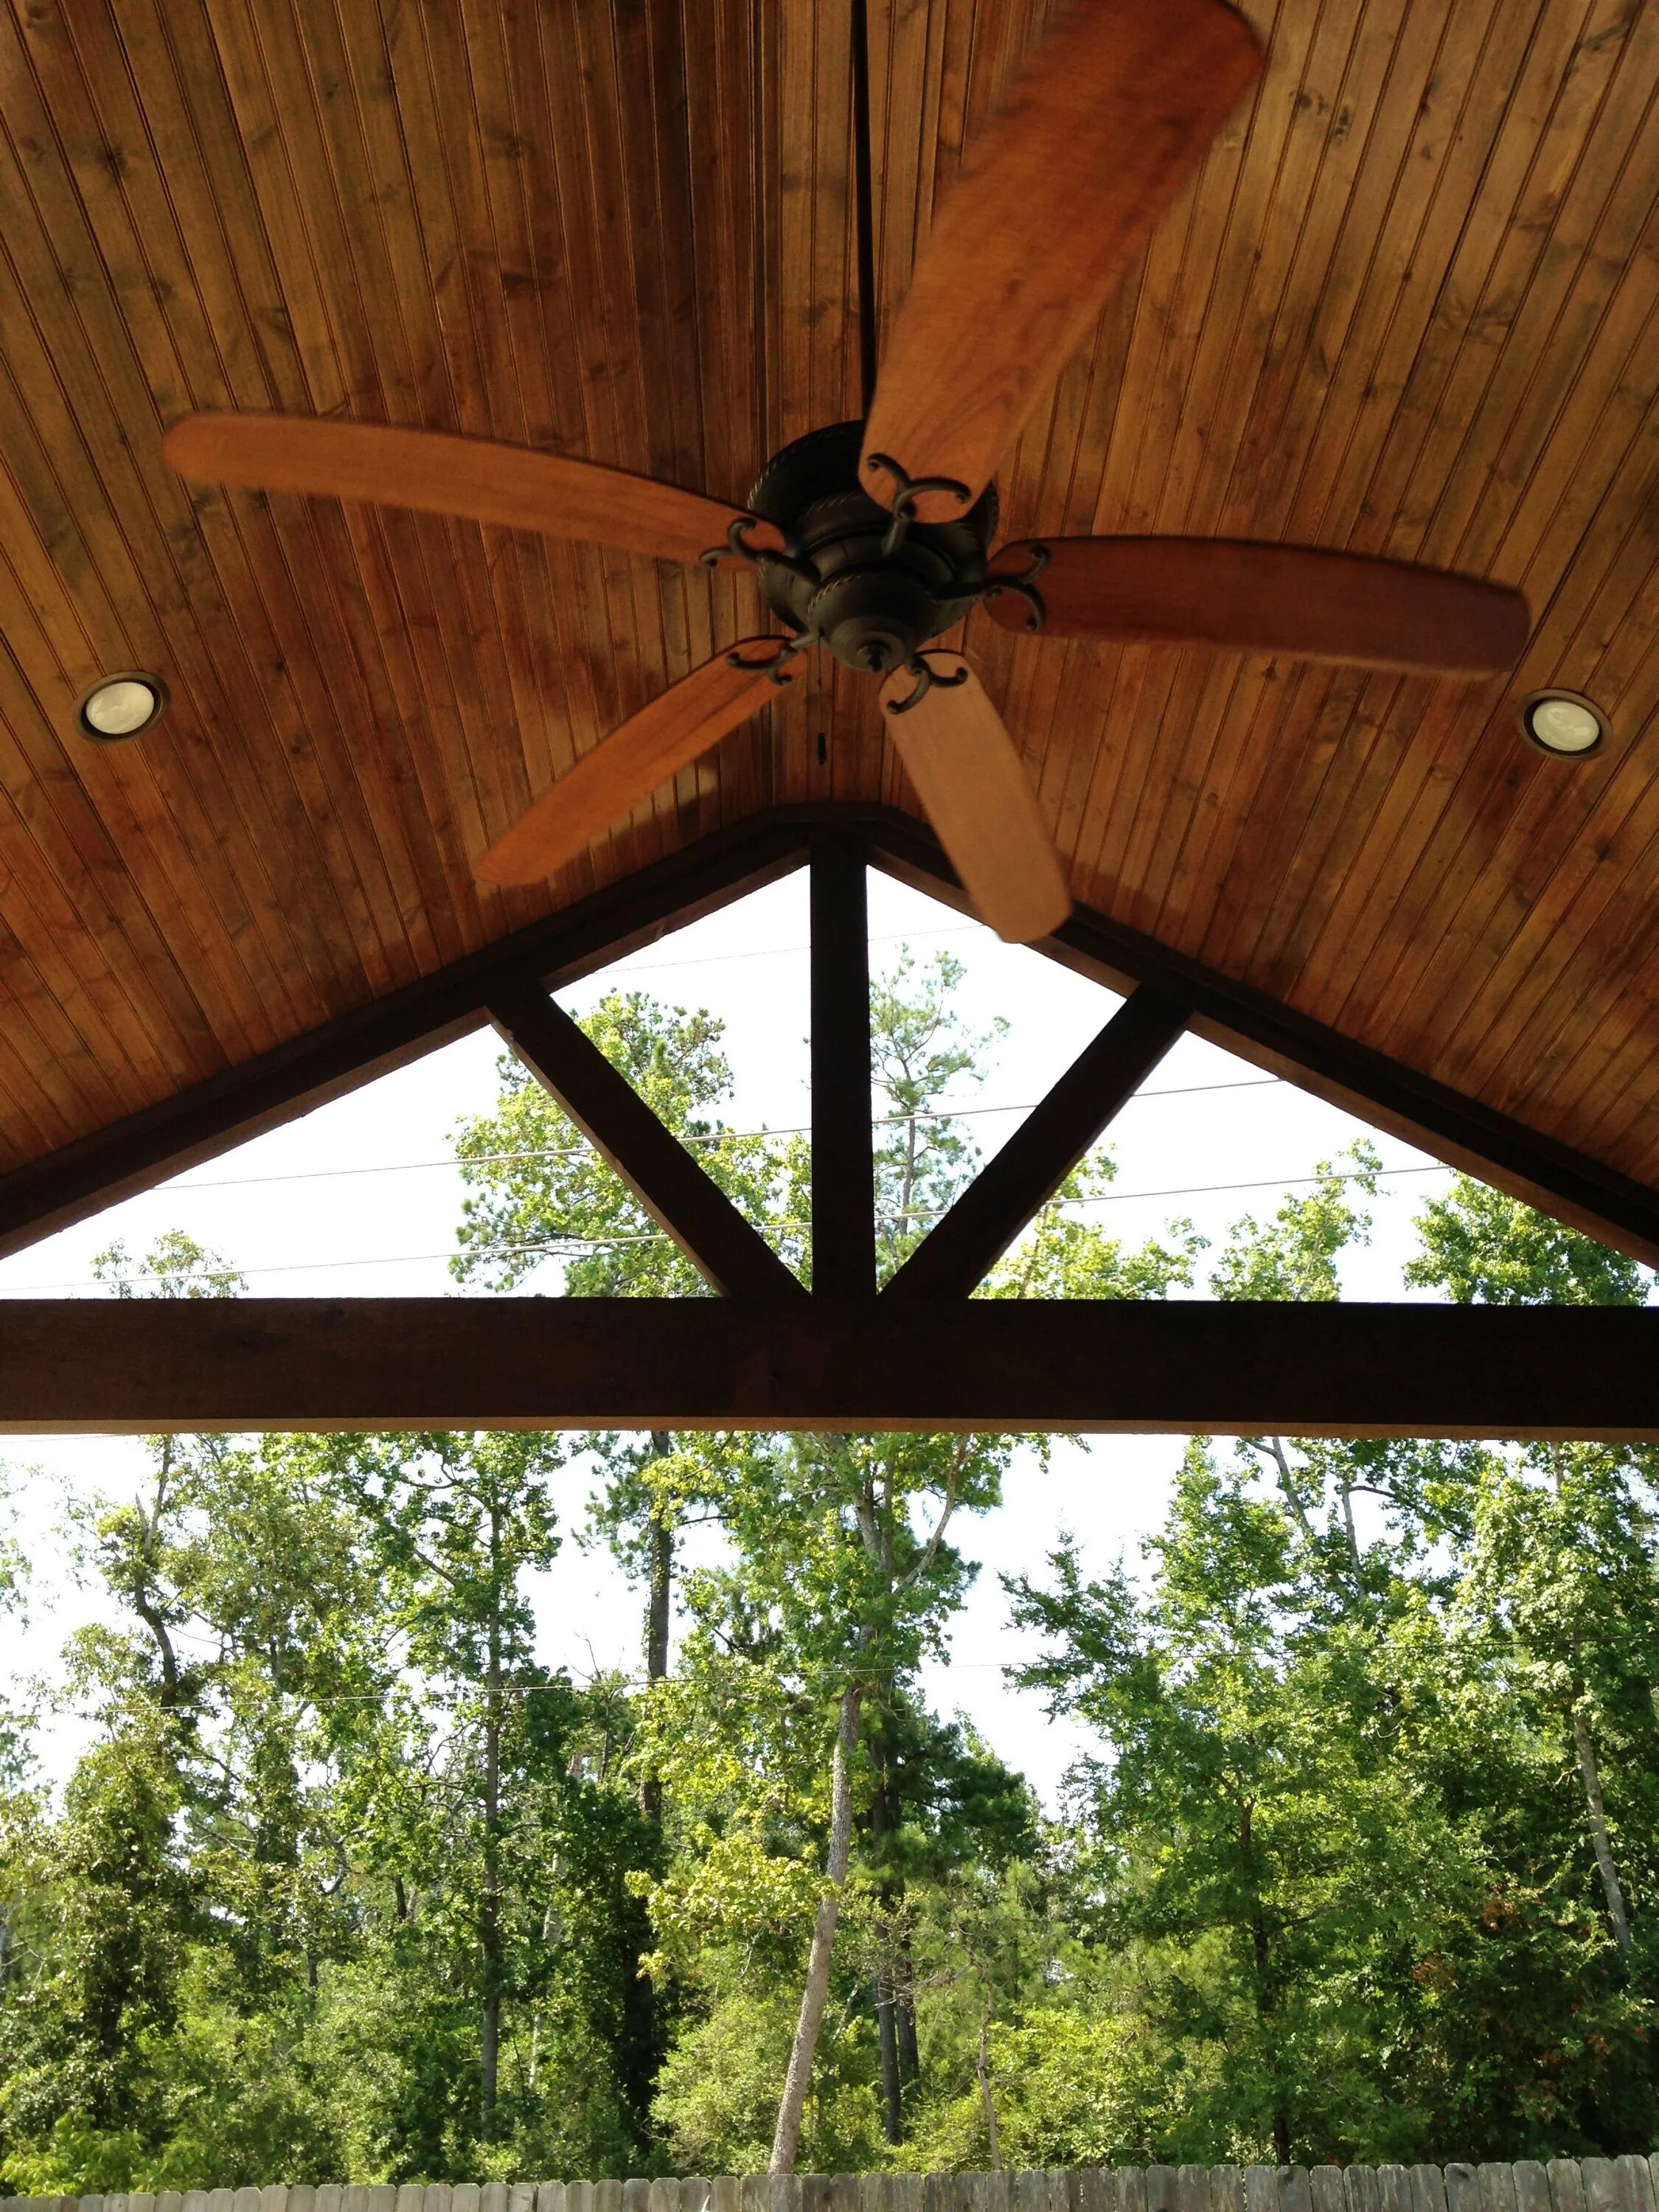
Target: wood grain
1403	306
959	756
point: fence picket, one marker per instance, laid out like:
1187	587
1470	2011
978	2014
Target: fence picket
1626	2184
1635	2183
1325	2187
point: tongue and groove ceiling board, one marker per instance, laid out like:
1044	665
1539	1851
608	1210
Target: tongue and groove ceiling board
1409	306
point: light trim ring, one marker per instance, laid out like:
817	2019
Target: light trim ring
113	710
1581	728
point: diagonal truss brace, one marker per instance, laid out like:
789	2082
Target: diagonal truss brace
1042	1151
651	1160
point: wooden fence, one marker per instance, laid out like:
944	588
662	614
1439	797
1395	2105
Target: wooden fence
1566	2185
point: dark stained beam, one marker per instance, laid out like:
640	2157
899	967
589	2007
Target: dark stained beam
963	1247
149	1365
843	1171
1567	1184
209	1118
650	1159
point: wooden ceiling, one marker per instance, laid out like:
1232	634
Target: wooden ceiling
1409	307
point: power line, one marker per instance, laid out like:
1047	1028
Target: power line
719	1136
575	1246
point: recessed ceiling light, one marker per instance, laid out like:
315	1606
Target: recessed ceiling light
120	705
1564	723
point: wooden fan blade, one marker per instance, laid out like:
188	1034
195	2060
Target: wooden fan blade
514	486
968	774
1246	598
630	764
1096	141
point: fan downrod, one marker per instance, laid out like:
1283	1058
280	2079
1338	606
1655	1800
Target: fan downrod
872	585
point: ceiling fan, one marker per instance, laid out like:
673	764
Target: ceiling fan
871	538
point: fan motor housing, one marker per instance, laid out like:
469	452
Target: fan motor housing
874	608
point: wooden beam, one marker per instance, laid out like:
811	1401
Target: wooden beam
209	1118
148	1365
966	1244
1568	1185
843	1170
651	1160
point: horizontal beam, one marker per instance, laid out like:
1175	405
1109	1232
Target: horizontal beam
1459	1130
1052	1139
294	1078
726	1249
146	1366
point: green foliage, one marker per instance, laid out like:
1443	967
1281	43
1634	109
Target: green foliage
1481	1247
1360	1860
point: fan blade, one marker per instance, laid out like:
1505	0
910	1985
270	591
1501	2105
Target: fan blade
968	774
636	757
1246	598
1096	139
516	487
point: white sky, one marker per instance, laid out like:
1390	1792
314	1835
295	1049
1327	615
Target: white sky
359	1198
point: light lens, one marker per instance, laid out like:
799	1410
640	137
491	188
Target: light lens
121	706
1564	722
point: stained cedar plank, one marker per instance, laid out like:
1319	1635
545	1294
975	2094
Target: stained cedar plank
102	379
1189	265
1357	894
1613	366
42	1111
1271	327
1302	780
625	617
1602	372
1580	919
1594	223
162	216
297	351
720	154
81	829
440	136
655	153
1381	227
1287	417
1266	217
91	1076
1559	1040
1324	505
1385	1000
1534	313
1538	813
552	686
61	922
54	507
391	64
107	816
478	734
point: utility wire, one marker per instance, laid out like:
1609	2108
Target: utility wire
714	1137
575	1246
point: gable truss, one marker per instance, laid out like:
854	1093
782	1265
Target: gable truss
765	1353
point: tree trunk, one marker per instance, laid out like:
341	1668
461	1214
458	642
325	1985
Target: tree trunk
910	2052
658	1606
786	2142
1261	1955
489	1899
1598	1821
892	2107
983	2069
892	2103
